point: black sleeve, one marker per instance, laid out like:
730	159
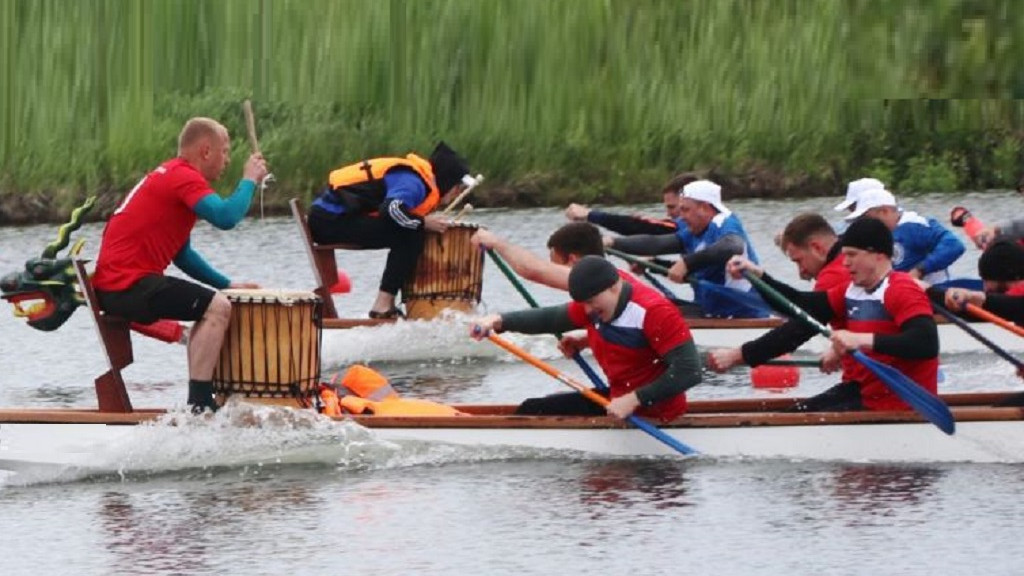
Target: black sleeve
682	373
649	245
776	342
630	225
394	210
1009	307
547	320
917	339
814	303
717	254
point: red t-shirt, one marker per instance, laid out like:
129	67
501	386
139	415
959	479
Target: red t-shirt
630	348
150	226
895	301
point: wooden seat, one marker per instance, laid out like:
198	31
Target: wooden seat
114	336
321	259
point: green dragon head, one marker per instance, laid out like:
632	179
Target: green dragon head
46	292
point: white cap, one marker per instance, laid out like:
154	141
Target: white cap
855	189
705	191
872	199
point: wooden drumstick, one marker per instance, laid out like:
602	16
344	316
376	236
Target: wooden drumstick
465	210
475	182
250	126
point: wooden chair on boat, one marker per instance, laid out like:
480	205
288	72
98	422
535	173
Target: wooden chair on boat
321	259
117	345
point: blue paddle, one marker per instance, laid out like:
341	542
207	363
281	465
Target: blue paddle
503	266
931	407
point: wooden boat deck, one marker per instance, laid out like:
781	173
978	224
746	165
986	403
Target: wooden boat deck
966	407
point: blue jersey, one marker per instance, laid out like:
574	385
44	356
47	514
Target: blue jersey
716	302
920	242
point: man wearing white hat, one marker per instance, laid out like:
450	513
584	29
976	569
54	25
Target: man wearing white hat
708	235
922	247
855	189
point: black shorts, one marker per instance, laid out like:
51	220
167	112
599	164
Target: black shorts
155	297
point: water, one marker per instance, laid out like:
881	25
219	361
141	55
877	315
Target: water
224	497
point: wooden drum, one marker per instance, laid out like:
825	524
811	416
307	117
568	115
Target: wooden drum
272	348
449	274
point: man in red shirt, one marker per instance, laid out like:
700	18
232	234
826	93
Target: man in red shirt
811	243
881	312
638	337
151	228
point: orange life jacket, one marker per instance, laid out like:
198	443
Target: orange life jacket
365	180
371	392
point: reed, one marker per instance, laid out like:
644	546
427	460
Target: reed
590	99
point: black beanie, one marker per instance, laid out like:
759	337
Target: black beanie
869	234
590	276
1003	261
449	167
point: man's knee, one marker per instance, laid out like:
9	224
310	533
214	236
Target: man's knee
219	309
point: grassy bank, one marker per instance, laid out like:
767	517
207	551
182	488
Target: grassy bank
552	100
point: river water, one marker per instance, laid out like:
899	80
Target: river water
215	498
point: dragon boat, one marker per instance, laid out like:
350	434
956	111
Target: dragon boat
58	440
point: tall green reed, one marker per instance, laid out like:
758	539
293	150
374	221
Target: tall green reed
583	98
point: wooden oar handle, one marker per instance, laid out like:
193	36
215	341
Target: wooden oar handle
250	126
983	314
548	369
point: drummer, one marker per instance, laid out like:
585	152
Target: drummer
389	203
151	228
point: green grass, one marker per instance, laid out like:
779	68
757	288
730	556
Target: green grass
551	99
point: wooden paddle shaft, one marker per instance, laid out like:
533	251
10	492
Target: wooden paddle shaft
548	369
250	126
983	314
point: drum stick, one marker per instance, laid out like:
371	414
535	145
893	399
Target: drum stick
473	183
466	209
250	126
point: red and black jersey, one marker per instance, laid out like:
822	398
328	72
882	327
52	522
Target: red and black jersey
630	348
882	311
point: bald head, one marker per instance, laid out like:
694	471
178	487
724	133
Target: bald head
205	144
200	129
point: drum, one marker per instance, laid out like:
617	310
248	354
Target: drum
272	347
449	274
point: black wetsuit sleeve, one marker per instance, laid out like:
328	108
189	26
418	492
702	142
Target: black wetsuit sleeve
649	245
629	225
717	254
547	320
917	339
814	303
1009	307
777	341
683	372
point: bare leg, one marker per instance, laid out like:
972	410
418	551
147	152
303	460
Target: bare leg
206	338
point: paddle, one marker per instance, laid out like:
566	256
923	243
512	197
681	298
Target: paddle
589	394
503	266
747	299
976	335
982	314
926	404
